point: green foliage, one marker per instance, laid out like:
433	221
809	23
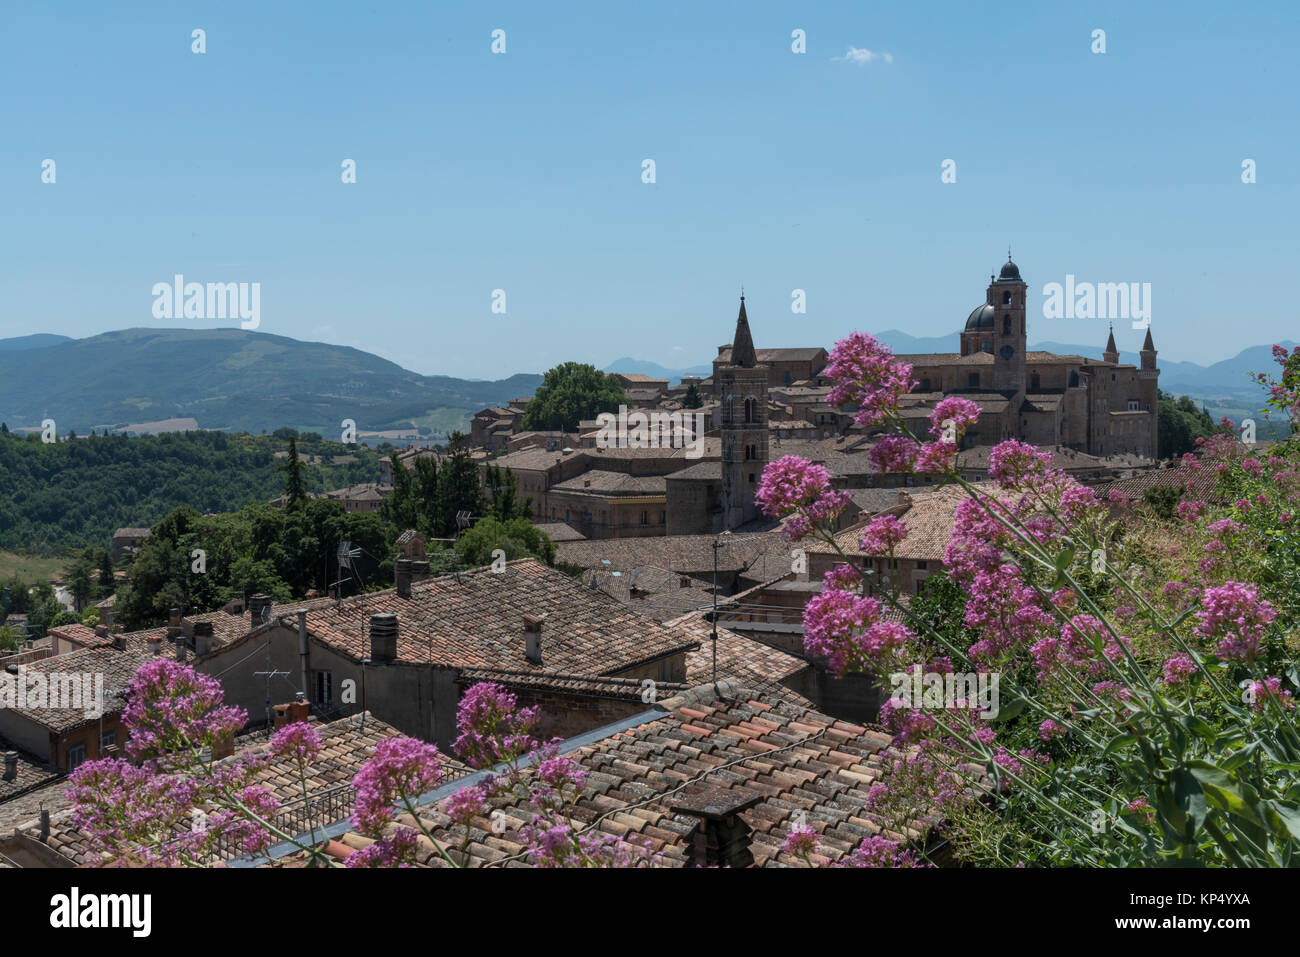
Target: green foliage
79	493
518	538
570	393
1163	499
1179	425
295	489
279	552
502	495
693	399
10	638
91	618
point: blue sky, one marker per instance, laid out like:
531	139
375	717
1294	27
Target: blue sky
522	171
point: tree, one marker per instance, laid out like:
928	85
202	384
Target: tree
80	584
518	538
11	639
1179	424
106	580
693	399
458	489
295	488
503	497
571	393
402	506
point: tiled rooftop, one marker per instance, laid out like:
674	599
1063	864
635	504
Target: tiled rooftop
792	762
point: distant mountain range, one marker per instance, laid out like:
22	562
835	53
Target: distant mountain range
229	379
251	381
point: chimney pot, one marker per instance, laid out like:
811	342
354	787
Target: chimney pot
224	745
202	638
533	638
402	577
174	618
259	607
383	637
11	765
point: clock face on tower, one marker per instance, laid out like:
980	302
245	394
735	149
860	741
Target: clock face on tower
1007	352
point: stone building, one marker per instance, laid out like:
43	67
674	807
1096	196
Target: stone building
1104	408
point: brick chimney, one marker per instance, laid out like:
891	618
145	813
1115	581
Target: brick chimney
174	618
202	638
419	570
296	710
383	637
259	609
402	577
223	746
721	837
533	638
11	765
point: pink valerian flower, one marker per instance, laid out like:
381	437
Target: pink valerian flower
882	535
880	851
1140	809
1008	762
847	631
936	457
1252	467
1226	528
1078	502
844	576
894	453
1016	465
171	707
298	740
399	768
466	804
397	849
866	374
1050	729
550	844
801	841
491	727
1270	688
908	724
791	483
1178	668
1242	504
952	417
554	774
1284	518
1190	511
1235	614
1119	499
1004	611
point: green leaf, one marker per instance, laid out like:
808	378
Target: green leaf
1116	743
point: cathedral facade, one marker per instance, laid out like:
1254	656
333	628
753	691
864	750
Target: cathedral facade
1101	407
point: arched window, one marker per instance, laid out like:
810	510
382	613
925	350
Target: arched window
986	345
750	410
1006	298
1074	378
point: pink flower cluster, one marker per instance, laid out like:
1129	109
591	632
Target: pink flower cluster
867	375
1234	614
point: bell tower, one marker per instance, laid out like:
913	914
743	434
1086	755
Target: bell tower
1008	296
742	389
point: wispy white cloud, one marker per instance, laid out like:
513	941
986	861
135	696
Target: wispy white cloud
862	55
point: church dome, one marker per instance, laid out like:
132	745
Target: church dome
1010	272
980	318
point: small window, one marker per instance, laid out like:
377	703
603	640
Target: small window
645	518
76	755
922	566
973	380
108	740
322	687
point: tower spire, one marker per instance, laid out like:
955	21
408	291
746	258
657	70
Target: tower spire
742	347
1112	353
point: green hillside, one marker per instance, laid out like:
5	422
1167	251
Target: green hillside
229	379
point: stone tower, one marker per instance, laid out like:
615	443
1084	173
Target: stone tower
742	389
1007	296
1112	353
1148	380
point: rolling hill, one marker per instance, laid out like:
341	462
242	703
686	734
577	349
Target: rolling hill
230	379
